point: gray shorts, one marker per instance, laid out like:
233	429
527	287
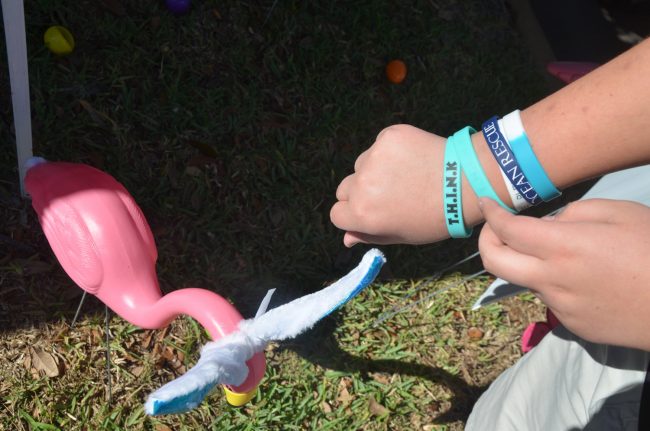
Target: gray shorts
566	383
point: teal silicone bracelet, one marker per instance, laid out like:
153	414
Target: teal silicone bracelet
452	200
533	169
472	167
523	151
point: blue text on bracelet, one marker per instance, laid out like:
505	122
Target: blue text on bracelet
472	167
532	168
451	193
507	161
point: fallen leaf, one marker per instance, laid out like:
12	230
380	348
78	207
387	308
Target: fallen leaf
162	427
375	408
344	396
157	349
61	334
162	334
382	378
129	357
168	353
95	336
193	171
474	333
44	361
146	339
137	371
325	407
345	382
27	362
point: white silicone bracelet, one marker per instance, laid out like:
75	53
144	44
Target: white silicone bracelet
518	201
511	125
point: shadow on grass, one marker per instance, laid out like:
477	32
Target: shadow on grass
320	347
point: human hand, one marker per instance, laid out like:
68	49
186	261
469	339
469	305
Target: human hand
395	193
589	264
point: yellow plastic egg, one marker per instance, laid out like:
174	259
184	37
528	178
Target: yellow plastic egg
59	40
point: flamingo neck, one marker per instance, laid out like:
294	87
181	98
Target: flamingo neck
212	311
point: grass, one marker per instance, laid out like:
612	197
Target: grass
232	126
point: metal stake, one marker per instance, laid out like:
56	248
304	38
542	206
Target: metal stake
396	308
108	358
393	312
76	314
268	15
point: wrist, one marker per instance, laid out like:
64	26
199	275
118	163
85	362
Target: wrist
547	142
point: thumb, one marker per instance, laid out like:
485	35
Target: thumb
494	215
528	235
352	238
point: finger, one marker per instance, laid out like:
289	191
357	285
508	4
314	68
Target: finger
382	132
358	164
528	235
590	210
504	262
344	218
352	238
343	190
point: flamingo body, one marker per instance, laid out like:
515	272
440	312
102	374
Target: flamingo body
103	242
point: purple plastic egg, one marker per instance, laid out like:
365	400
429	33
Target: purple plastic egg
178	7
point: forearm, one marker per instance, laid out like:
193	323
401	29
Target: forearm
595	125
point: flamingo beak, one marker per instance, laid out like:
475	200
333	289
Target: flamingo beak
237	399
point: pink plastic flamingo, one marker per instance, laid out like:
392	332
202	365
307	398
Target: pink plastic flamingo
104	243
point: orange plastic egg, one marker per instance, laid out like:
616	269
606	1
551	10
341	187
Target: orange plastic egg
396	71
